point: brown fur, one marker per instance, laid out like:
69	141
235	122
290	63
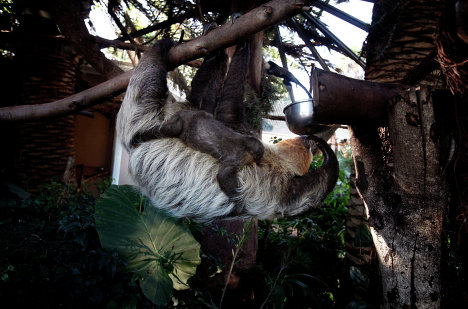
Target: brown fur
298	152
200	131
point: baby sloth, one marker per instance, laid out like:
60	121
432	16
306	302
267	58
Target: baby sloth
200	131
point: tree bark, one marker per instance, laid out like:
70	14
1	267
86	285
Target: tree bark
68	105
362	281
399	170
229	34
406	202
44	151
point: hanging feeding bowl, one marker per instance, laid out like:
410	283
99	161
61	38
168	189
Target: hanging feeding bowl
300	118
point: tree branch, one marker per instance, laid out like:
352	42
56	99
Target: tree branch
68	105
102	42
110	9
71	23
257	19
162	25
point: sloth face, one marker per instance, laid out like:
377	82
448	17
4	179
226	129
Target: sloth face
296	152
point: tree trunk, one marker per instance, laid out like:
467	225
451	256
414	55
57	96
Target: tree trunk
46	149
400	47
406	202
400	173
452	48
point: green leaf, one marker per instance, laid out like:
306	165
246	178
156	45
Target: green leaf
159	248
157	287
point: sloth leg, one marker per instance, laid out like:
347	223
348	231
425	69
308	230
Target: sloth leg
230	110
172	127
227	178
208	81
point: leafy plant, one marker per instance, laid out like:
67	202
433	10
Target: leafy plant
239	243
258	106
158	248
50	255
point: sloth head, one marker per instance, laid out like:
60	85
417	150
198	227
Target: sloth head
296	154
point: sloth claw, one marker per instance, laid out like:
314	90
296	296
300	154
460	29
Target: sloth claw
235	16
164	45
208	27
255	147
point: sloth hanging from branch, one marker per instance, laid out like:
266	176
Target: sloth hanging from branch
199	159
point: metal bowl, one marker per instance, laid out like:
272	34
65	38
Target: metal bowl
299	118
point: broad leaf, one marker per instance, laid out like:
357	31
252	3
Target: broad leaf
157	287
157	247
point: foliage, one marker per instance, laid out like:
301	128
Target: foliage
275	140
50	255
301	258
156	247
257	107
239	243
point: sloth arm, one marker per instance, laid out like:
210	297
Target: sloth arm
152	76
320	181
148	84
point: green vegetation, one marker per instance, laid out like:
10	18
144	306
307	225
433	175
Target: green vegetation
50	255
160	250
302	258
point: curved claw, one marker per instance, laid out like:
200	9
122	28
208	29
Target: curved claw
235	16
208	27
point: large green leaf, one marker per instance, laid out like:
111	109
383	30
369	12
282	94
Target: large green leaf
158	247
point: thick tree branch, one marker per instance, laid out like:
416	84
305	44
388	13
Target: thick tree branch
102	42
256	20
68	105
252	22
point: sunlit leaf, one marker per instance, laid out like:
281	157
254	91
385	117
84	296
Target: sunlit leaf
156	246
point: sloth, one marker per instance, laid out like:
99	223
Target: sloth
195	127
185	177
